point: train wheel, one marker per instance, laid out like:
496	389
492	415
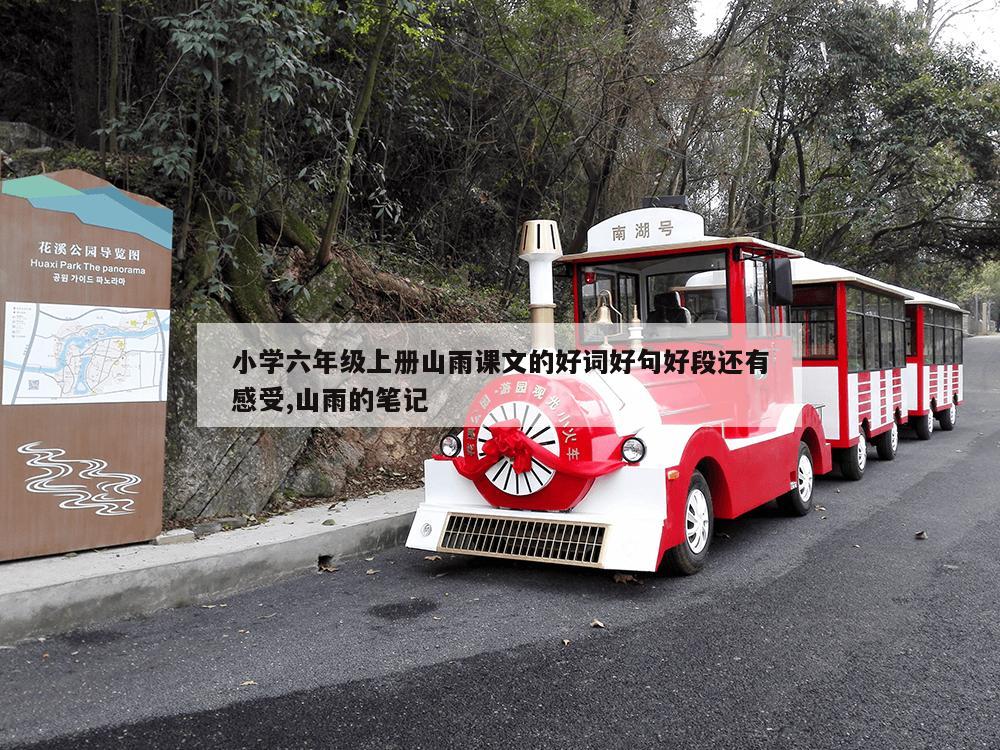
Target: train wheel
924	426
948	417
798	502
688	557
854	460
888	443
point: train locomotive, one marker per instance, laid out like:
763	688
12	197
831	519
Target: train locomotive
630	471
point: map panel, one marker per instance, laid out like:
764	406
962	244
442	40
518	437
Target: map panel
59	354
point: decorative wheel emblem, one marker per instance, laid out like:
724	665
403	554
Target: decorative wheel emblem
537	426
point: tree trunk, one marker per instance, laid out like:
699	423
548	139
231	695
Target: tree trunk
803	196
734	215
357	122
598	182
113	77
85	73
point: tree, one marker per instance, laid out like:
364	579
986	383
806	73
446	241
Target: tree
241	66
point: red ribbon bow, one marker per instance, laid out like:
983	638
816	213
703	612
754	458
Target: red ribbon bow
507	440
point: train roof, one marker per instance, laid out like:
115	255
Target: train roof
919	298
706	243
649	231
809	271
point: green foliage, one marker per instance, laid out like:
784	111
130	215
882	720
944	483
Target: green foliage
834	125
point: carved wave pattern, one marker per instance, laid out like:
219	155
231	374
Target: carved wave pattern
104	492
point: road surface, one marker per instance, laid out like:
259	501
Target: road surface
838	630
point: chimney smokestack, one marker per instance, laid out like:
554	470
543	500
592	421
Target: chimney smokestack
539	246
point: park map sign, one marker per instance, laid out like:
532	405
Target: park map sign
85	319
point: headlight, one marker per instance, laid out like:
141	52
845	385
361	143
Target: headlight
633	450
451	446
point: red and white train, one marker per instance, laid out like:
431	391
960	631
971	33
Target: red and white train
853	358
628	471
933	380
874	357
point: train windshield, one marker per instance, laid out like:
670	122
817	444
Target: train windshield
678	289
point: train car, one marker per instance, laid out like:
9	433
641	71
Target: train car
626	471
853	359
933	380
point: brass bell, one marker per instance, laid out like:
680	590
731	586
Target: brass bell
603	316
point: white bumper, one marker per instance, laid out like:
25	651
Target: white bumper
629	507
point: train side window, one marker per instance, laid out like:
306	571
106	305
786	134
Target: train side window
855	342
886	325
898	333
871	343
759	313
813	309
938	341
928	336
628	294
911	331
899	342
594	283
855	330
955	350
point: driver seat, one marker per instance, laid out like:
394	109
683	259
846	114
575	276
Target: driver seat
667	308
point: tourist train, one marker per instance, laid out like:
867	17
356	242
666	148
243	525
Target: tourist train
629	471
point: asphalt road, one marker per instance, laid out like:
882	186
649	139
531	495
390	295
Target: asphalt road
838	630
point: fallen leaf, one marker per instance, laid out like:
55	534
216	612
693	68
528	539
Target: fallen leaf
329	522
370	572
328	568
595	623
820	508
920	535
432	558
247	683
369	559
627	578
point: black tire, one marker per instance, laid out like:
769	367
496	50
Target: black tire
798	502
947	418
923	426
684	559
888	443
854	460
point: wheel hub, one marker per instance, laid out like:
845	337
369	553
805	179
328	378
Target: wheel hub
697	521
805	479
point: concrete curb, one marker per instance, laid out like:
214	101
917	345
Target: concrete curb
56	594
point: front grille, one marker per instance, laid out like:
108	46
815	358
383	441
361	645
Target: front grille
524	539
